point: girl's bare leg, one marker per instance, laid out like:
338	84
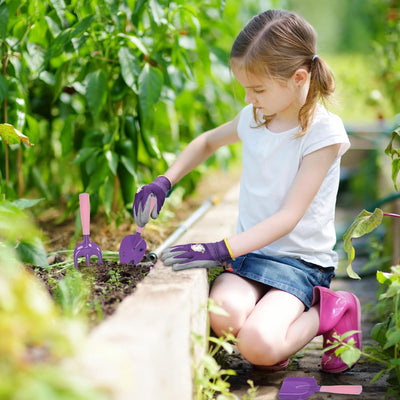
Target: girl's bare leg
276	328
238	297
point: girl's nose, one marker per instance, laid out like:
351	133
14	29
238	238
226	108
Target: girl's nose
247	98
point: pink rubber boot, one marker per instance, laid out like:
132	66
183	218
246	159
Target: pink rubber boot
339	312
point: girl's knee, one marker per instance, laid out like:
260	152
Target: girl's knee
260	349
231	318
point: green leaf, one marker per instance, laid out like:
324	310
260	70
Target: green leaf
38	33
378	375
67	135
22	204
150	145
31	251
82	26
392	291
84	154
58	46
3	88
350	356
52	25
395	171
96	91
382	277
72	293
59	6
3	20
112	159
128	164
138	6
150	85
10	135
112	6
348	334
108	193
364	223
130	68
393	338
136	41
393	151
33	128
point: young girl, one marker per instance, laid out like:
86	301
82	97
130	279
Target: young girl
279	265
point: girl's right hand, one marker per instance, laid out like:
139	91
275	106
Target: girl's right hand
158	189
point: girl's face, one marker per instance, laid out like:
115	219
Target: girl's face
271	96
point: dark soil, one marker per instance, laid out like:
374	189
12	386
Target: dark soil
108	284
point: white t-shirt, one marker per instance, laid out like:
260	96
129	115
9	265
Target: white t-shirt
270	164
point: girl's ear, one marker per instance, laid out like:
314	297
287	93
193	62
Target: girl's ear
300	77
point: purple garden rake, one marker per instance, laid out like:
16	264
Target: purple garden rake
86	248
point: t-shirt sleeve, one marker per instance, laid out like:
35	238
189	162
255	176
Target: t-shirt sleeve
246	120
324	132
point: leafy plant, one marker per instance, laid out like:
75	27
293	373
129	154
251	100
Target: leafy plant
17	231
72	294
107	88
387	48
9	136
393	151
210	380
385	332
34	337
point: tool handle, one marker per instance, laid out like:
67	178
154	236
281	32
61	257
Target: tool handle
342	389
152	203
84	204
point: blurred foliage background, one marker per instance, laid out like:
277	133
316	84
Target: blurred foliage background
110	90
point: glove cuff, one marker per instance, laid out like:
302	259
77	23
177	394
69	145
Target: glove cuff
163	182
229	249
224	251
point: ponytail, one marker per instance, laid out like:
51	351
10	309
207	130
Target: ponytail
322	87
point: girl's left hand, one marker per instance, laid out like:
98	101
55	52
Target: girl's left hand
196	255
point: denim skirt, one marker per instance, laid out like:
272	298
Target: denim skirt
292	275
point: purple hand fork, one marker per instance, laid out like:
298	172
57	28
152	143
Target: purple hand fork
86	248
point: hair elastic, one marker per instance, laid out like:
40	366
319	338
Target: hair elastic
314	57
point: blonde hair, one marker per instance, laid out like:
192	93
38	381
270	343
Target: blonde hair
277	43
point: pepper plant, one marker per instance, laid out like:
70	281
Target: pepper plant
99	87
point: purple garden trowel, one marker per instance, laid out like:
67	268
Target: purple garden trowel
133	247
86	248
302	387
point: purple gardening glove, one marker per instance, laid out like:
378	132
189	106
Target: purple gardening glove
159	189
197	255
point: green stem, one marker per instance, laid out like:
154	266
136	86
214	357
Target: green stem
5	62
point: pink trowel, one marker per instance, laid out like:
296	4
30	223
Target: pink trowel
86	248
133	247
